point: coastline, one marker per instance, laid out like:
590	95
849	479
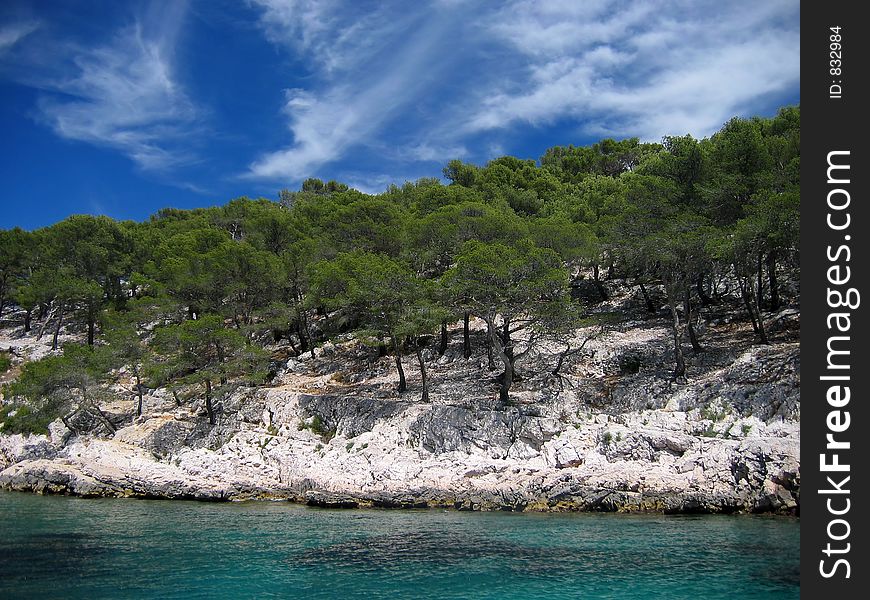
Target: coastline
331	431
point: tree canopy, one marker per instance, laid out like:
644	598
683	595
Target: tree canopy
190	297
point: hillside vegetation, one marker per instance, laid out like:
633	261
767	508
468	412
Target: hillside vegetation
508	258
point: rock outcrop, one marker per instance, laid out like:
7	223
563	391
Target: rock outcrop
613	433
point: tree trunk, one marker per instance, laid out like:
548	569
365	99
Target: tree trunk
506	340
397	352
57	328
650	307
466	339
759	294
702	293
28	315
307	340
744	294
423	376
208	406
754	309
442	347
303	337
772	282
507	378
86	403
598	285
562	356
91	329
489	356
679	360
44	323
138	390
687	303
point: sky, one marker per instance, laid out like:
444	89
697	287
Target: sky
123	108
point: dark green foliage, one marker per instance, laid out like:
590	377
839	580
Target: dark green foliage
188	298
23	419
317	426
60	385
204	351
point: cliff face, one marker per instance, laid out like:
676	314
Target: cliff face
611	432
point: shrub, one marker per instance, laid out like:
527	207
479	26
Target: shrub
713	414
710	432
319	427
24	419
5	362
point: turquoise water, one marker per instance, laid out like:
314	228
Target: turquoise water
77	548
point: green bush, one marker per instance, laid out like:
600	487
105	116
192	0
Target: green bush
710	431
5	362
319	427
713	414
25	420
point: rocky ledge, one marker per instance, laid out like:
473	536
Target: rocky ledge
600	437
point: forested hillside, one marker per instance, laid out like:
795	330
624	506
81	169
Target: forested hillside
188	300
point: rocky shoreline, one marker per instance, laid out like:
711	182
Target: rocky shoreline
725	441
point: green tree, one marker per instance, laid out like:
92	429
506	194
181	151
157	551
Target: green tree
204	352
372	290
93	255
60	387
126	333
16	247
509	287
660	237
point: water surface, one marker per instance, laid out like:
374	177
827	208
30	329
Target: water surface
109	548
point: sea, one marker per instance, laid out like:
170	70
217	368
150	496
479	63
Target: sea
66	547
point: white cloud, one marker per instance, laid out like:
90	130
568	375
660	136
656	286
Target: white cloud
372	183
12	33
333	35
124	94
604	67
362	81
428	152
647	69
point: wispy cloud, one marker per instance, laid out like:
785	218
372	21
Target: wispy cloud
124	94
429	152
645	68
368	69
12	33
600	67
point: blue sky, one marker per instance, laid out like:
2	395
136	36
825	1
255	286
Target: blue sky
122	108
